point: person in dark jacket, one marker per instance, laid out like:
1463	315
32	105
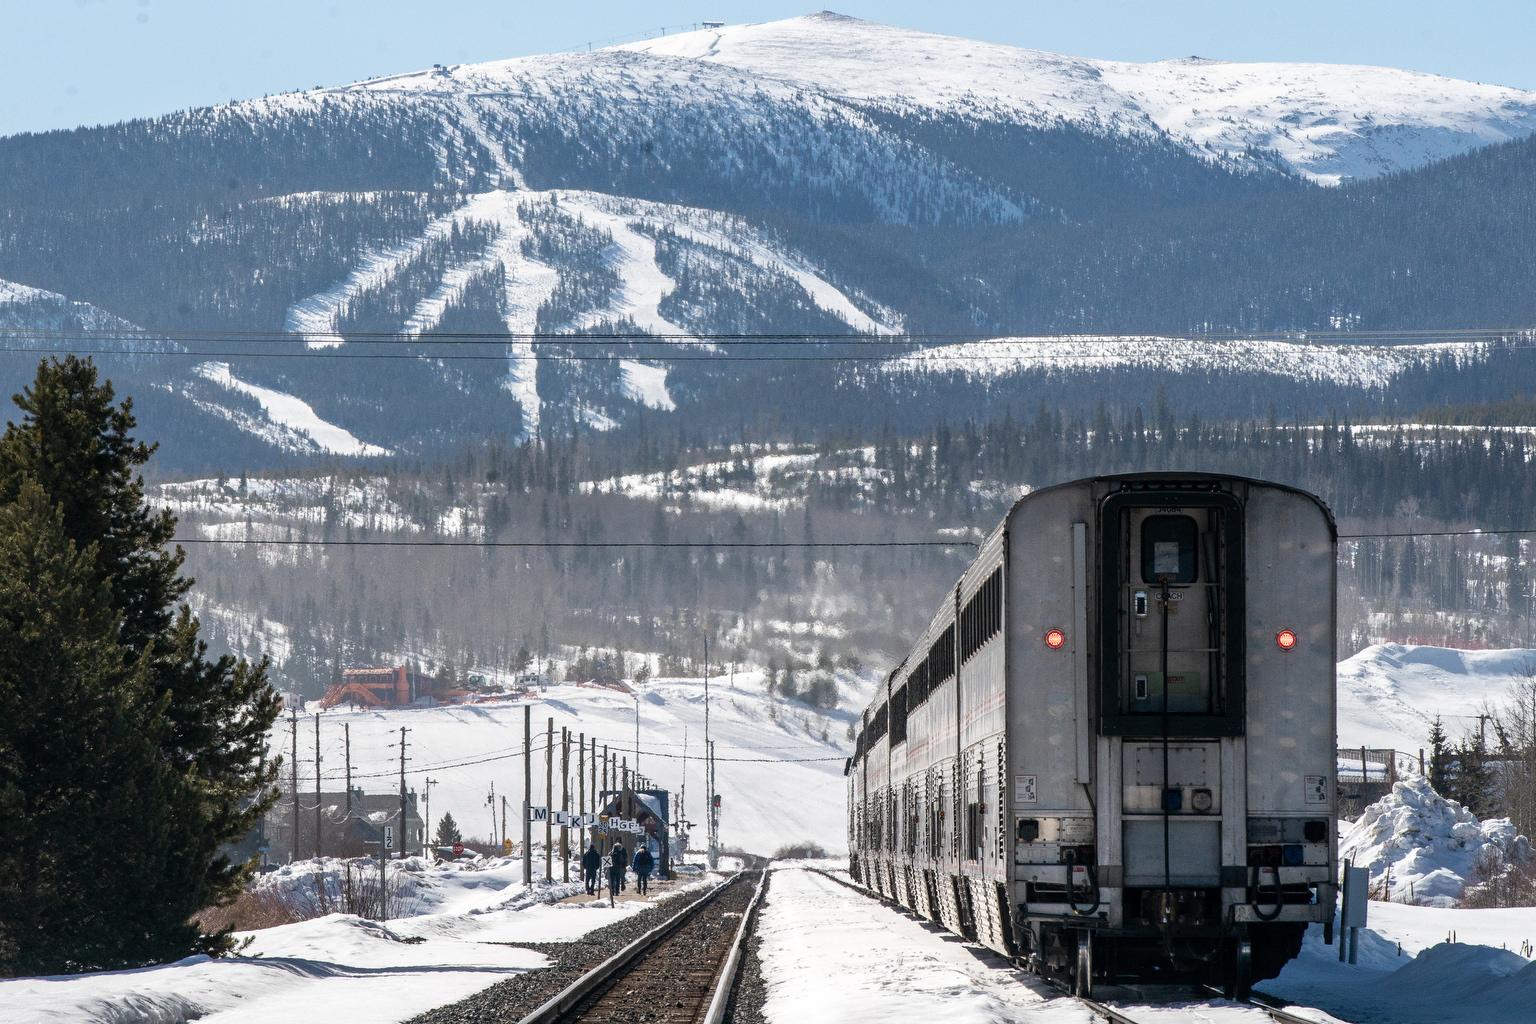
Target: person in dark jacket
621	857
644	862
590	862
618	860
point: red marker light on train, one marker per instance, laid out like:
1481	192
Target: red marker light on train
1055	639
1286	639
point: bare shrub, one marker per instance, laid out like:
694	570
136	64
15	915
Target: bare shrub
251	910
1497	881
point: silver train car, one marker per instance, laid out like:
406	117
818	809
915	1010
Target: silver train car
1111	754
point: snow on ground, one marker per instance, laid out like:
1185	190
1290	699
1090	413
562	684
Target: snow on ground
340	967
779	778
1326	121
1427	845
293	417
830	954
1390	693
1407	973
1352	365
647	384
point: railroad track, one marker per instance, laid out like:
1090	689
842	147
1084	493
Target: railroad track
680	972
1117	1014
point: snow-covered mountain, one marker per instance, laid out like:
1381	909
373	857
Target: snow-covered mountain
816	179
1326	121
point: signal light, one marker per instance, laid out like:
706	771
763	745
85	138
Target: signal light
1286	639
1055	639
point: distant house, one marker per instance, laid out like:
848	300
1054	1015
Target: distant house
397	687
345	831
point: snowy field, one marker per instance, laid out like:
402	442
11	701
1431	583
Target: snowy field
1390	693
340	968
779	764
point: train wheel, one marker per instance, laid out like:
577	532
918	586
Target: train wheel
1241	984
1082	976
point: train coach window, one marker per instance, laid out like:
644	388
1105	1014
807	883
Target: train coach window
1170	549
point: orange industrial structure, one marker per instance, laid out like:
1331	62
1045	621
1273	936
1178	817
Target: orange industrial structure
386	688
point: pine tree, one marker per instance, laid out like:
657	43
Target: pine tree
74	455
79	768
447	831
1474	775
1440	775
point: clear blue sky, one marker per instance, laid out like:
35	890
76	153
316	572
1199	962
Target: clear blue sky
71	62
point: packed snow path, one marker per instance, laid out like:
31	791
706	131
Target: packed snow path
830	954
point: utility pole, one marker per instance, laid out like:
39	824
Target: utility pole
318	799
427	797
401	844
549	798
682	795
637	732
714	812
527	794
581	792
293	743
346	732
565	803
491	802
503	821
709	767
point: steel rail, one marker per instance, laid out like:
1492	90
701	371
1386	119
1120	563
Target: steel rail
562	1002
726	982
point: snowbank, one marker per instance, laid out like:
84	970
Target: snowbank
341	967
1424	846
1447	983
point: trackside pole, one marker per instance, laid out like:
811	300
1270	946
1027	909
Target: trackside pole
527	794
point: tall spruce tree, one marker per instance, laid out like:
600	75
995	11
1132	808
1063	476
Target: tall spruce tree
158	820
447	831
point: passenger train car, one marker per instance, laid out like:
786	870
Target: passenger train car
1110	755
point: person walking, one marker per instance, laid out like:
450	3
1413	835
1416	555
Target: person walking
618	858
644	862
591	861
623	857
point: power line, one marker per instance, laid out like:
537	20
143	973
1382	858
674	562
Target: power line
1337	337
488	759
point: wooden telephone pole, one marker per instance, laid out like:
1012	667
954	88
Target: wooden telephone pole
549	799
318	800
565	803
293	743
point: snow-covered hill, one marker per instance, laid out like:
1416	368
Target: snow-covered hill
778	763
1390	693
1327	121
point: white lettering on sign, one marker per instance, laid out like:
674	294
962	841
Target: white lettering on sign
1024	790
